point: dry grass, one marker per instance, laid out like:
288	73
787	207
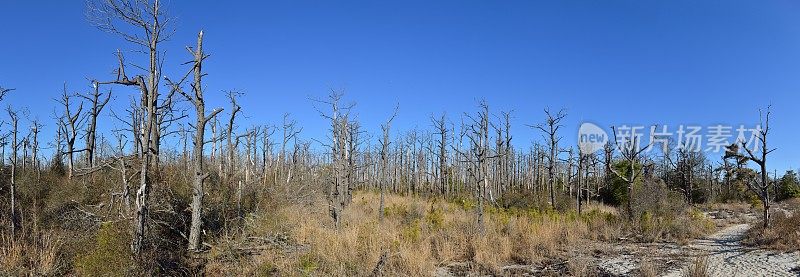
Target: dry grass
33	254
417	234
783	234
699	268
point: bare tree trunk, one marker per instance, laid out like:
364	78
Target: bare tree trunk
235	108
15	225
197	99
550	128
761	189
91	131
385	162
149	19
70	122
35	129
441	130
338	192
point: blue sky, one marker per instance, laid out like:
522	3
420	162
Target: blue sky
608	62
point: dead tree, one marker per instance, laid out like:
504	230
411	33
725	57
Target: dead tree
354	141
477	159
98	103
385	128
4	91
123	170
70	122
36	127
15	224
550	130
133	124
630	150
197	99
266	152
167	113
149	19
440	126
504	151
290	131
235	108
338	193
759	157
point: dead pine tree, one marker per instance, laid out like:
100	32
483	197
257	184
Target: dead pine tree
98	102
239	184
231	148
580	178
631	152
550	133
385	128
758	156
15	221
504	151
441	130
196	98
338	192
36	127
152	28
70	122
123	170
290	132
477	158
266	152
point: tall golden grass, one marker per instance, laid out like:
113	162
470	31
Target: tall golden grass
418	235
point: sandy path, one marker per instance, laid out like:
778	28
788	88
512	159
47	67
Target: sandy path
727	256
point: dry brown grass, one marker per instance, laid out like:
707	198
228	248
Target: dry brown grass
35	254
698	268
417	234
783	234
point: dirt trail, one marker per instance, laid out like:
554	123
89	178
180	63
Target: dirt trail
727	256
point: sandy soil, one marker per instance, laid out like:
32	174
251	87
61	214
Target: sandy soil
727	257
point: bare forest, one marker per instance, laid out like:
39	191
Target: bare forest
183	187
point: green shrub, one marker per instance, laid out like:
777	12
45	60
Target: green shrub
110	256
308	264
435	218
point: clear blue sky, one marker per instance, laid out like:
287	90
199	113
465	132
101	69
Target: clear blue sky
608	62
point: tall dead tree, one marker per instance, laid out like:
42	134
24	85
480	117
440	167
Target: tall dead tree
36	127
504	151
290	131
440	126
478	157
197	99
550	130
70	122
15	224
98	102
759	157
151	24
266	152
338	192
231	148
354	141
385	128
